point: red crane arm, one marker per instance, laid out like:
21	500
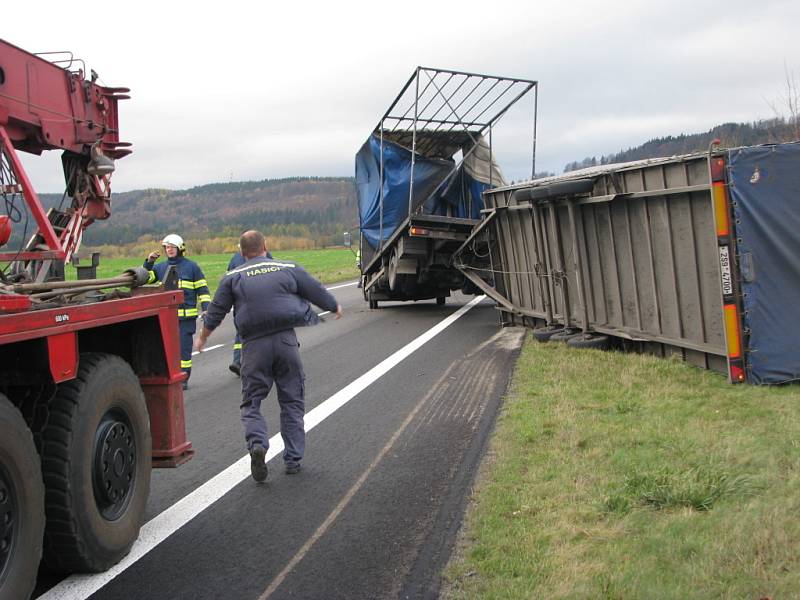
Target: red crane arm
46	107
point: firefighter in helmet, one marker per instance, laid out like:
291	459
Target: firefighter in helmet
196	296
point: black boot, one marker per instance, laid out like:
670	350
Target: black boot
258	466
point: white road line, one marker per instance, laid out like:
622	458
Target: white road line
195	352
155	531
336	287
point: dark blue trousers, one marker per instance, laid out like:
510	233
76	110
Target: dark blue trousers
274	359
186	327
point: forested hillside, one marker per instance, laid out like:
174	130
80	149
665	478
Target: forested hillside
730	134
316	208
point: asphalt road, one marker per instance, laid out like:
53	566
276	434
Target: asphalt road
397	424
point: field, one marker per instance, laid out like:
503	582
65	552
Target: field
627	477
328	265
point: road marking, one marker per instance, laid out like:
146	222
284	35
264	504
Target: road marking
195	352
158	529
336	287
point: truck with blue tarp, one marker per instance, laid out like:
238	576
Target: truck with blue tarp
420	178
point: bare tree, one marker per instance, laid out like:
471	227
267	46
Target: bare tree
787	105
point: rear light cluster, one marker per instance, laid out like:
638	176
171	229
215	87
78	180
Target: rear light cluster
722	220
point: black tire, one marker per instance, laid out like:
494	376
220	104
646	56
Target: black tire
543	334
21	505
540	193
522	195
391	271
440	300
96	463
589	340
364	292
557	188
574	186
565	335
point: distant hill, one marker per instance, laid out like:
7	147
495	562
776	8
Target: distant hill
318	208
730	134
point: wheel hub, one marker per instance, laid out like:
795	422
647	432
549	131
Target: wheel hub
115	465
8	519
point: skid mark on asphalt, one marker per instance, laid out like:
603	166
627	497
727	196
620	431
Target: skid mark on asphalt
461	393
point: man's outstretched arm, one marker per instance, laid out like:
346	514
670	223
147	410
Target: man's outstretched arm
219	307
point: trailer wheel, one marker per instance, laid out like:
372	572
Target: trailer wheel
96	463
21	505
373	303
543	334
565	334
589	340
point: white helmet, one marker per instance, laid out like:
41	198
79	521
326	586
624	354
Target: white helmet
173	239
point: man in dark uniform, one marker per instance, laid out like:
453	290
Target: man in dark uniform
195	292
237	260
270	298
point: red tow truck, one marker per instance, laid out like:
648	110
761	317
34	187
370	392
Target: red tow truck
90	380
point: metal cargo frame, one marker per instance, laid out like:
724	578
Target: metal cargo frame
437	112
634	254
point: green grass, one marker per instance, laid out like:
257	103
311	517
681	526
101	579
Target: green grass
327	265
626	477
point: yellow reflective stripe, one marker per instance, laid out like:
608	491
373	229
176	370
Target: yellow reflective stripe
186	364
237	346
187	312
204	298
152	277
193	285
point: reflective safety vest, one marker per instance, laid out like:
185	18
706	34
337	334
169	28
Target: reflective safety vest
190	279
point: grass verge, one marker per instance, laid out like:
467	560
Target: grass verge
625	476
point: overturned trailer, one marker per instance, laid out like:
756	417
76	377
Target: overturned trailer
694	255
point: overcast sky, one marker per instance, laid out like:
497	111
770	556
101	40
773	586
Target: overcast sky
248	91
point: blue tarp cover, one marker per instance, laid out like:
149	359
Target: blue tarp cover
765	189
460	193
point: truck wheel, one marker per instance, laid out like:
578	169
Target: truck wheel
440	301
96	455
21	505
392	271
589	340
565	334
543	334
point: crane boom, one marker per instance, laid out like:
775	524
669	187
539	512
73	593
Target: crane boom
46	106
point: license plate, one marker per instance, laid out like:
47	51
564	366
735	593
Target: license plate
725	269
